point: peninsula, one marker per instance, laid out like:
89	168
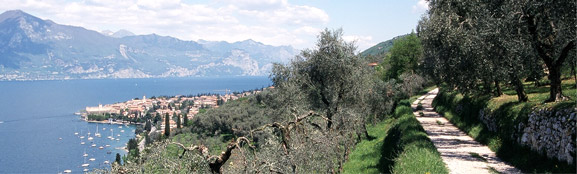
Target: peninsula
138	111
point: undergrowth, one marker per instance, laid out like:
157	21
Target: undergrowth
398	145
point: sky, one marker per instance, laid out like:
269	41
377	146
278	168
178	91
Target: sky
274	22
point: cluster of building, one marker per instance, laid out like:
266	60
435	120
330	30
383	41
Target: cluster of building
137	108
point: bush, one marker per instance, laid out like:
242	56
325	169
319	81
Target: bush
98	117
419	107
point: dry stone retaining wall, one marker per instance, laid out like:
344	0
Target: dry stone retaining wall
548	132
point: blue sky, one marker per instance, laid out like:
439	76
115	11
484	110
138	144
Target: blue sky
274	22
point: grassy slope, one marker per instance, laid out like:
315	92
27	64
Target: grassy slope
509	113
397	145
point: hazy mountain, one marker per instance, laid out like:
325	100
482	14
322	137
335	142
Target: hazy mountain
118	34
32	48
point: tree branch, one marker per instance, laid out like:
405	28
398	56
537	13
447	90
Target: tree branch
565	52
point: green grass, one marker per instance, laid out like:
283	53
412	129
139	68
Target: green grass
366	155
421	93
463	111
399	145
440	123
476	155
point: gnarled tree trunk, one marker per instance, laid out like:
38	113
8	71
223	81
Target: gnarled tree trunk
521	96
498	91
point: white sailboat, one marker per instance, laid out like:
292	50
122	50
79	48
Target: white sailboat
111	137
85	155
97	134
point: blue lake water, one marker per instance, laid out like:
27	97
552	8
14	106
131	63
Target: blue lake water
37	121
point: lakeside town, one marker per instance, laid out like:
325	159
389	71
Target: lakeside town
153	109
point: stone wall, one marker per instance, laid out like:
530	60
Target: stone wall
488	119
548	132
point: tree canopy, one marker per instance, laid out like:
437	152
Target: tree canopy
406	55
473	44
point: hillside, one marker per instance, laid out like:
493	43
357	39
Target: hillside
34	49
381	48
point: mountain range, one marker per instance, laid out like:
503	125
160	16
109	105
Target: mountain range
35	49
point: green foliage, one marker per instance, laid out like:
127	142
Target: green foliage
381	48
419	107
367	153
178	121
235	117
463	111
416	153
401	109
147	126
471	45
322	97
147	139
405	56
185	120
132	144
167	125
98	117
118	160
398	146
331	77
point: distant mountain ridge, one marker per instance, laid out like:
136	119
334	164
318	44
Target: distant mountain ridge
381	48
36	49
118	34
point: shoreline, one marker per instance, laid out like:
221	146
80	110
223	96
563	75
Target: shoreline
109	122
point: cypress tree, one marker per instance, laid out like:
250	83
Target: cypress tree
185	119
178	121
118	159
148	126
167	125
147	139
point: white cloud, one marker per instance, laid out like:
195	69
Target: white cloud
421	6
363	42
275	22
258	5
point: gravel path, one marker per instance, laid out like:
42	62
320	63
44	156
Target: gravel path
460	152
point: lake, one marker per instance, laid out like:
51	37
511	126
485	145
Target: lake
38	125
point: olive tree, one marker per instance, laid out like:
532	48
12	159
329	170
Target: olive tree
473	43
332	77
550	27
